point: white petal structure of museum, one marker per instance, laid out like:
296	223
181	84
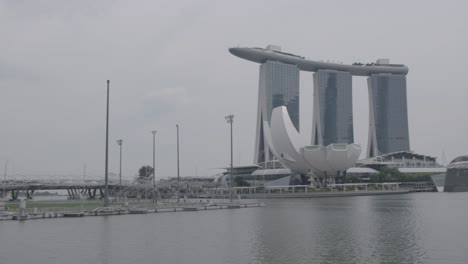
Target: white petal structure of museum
292	150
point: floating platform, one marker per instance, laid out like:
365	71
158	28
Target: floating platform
21	217
108	211
73	214
189	208
138	211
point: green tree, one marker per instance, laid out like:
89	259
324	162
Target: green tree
391	173
353	179
144	173
241	182
387	174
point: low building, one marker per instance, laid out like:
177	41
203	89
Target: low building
456	179
416	171
255	176
363	173
400	159
223	178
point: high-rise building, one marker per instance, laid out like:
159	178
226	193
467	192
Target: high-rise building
388	114
333	117
278	86
333	108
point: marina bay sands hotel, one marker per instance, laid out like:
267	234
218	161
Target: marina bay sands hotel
332	113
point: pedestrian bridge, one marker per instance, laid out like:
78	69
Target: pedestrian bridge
92	188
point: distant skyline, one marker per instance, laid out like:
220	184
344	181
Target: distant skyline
169	64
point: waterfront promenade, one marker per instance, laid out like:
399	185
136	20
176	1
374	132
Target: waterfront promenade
193	188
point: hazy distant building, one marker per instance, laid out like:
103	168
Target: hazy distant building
333	108
278	86
388	114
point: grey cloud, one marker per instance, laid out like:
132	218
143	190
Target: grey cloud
168	63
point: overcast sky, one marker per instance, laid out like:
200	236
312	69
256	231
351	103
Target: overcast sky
168	63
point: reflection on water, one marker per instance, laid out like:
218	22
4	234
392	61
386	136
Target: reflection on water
337	230
410	228
395	229
105	240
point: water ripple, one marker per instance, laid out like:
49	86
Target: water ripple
419	228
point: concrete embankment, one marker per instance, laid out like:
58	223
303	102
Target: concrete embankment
330	194
320	194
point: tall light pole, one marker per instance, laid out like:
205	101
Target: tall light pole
154	160
106	171
178	167
230	120
84	182
4	179
119	142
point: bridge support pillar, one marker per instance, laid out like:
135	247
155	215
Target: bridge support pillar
92	193
73	193
14	195
29	194
84	192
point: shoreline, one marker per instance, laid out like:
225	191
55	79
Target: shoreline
45	209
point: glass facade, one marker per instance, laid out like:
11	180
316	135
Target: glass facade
333	108
278	86
282	88
388	131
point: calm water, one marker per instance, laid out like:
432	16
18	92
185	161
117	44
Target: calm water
410	228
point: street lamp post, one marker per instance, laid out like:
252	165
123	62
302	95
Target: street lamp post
154	159
119	142
106	194
82	192
4	179
230	120
178	165
146	183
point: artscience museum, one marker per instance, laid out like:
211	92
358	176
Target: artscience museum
293	151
